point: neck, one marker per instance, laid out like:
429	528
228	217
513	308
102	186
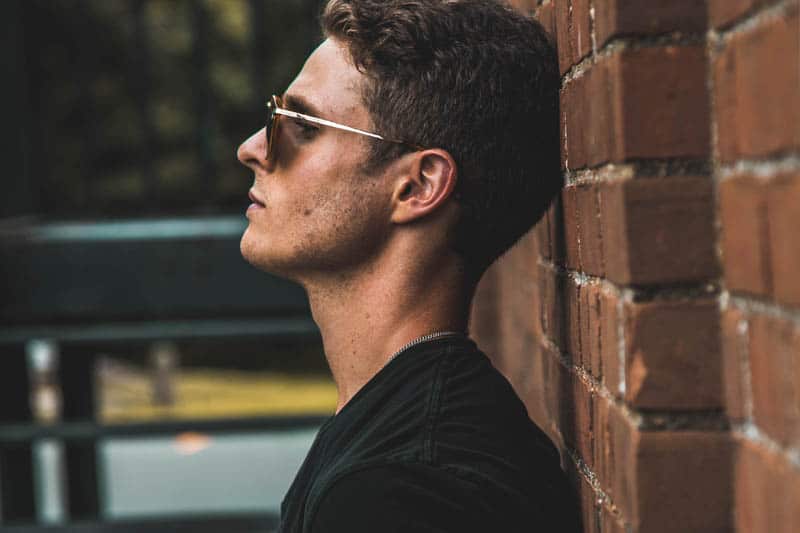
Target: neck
367	316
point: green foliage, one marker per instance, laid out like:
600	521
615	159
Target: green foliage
137	106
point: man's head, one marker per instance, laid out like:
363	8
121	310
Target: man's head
473	77
472	81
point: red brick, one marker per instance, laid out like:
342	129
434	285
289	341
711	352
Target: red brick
590	108
567	102
580	34
572	32
591	329
569	201
783	212
662	102
667	481
610	523
576	107
673	359
599	126
745	239
562	24
589	510
658	230
604	458
575	418
572	319
609	343
542	230
590	244
723	12
756	69
635	17
552	305
766	489
774	361
682	482
620	461
734	356
555	223
557	390
639	103
545	14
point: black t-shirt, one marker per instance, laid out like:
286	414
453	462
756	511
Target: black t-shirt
436	441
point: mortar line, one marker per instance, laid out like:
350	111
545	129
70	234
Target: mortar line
753	18
762	307
751	432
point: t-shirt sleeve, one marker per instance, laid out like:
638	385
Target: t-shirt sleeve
395	499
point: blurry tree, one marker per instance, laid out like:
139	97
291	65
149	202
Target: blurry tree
136	107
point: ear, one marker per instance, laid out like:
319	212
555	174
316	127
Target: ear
425	185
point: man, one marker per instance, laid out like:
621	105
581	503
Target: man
419	142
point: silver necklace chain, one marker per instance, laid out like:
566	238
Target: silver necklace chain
420	340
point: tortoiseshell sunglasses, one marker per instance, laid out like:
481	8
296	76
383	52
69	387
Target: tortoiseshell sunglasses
275	109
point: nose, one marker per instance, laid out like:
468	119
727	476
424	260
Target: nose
253	151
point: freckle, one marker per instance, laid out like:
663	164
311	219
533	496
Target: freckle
307	212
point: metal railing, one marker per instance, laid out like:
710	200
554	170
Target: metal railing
58	267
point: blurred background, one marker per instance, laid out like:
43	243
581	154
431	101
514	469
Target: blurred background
150	378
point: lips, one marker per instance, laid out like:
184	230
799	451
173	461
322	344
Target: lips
258	203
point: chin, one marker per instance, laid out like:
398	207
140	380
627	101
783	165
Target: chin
251	249
256	252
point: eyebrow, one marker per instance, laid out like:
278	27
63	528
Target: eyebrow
300	105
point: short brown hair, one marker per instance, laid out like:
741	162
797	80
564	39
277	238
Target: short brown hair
473	77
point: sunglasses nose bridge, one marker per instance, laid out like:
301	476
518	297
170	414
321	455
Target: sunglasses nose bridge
270	131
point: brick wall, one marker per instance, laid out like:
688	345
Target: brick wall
651	322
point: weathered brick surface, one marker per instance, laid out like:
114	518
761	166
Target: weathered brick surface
664	104
639	103
673	358
592	330
545	14
590	246
555	225
609	342
783	216
774	361
604	459
724	12
733	343
572	32
756	70
615	18
767	491
569	203
745	237
664	481
610	523
681	482
658	230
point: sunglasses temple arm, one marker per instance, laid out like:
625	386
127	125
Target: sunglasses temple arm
323	122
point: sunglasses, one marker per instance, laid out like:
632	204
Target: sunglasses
275	110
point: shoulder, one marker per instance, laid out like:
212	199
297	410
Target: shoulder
424	498
397	497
